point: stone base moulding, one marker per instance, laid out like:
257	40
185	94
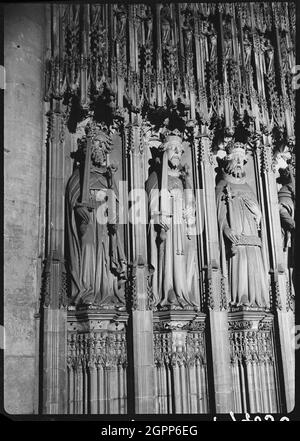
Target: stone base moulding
180	362
97	362
253	362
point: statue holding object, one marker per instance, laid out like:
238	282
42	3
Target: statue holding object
286	199
97	261
239	219
172	215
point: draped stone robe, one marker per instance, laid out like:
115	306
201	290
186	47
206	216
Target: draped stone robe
172	254
238	209
96	257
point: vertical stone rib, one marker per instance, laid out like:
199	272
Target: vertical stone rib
168	394
257	387
234	385
193	389
243	387
93	389
264	398
204	389
183	381
199	387
100	389
79	409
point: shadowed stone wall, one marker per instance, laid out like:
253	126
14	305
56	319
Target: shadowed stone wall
24	174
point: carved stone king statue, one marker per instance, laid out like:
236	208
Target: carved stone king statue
172	213
239	219
97	261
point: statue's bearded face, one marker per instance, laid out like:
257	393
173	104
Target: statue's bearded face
98	154
175	152
235	165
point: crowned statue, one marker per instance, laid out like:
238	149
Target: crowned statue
172	215
286	199
239	219
97	261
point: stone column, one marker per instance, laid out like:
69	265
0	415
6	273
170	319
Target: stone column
142	315
216	295
285	316
54	277
54	314
24	180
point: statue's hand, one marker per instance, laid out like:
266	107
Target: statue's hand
112	228
253	207
287	221
84	205
189	216
230	234
164	222
83	212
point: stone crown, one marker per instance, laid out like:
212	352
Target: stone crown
172	140
236	146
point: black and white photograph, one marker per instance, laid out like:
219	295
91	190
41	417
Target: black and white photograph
149	211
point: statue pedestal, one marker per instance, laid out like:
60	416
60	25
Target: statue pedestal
248	316
97	361
253	361
180	362
93	319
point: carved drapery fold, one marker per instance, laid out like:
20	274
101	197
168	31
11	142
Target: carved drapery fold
228	65
222	69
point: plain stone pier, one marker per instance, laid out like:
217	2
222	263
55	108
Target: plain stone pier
24	175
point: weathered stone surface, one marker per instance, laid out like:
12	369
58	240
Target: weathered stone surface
23	144
143	359
19	391
20	330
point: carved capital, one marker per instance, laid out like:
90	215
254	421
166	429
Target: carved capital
55	283
251	346
290	297
56	126
177	344
210	294
96	349
267	163
195	326
239	325
216	291
205	152
275	292
133	138
128	139
140	297
131	292
224	290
